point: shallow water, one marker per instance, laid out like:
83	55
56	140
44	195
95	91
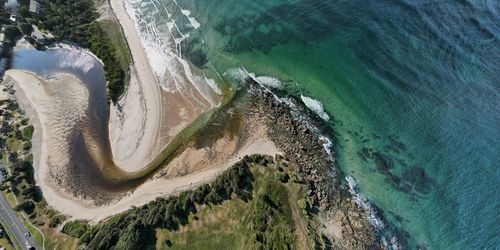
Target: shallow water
411	87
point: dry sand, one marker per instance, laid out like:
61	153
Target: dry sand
53	114
148	117
144	123
135	129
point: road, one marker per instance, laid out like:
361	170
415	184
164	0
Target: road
14	223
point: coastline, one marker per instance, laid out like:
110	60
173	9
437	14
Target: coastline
147	118
38	100
267	127
194	165
149	96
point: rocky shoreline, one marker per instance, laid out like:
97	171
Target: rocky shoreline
345	224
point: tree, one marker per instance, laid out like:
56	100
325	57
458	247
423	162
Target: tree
12	32
26	28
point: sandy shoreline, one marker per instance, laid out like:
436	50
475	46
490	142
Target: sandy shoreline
38	98
143	116
137	133
149	117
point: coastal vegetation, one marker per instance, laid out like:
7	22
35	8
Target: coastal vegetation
75	21
5	241
259	202
245	206
19	184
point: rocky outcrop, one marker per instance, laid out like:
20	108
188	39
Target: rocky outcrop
345	224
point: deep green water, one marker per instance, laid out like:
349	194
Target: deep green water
412	89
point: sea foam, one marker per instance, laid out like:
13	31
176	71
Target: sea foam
372	216
163	41
316	107
240	74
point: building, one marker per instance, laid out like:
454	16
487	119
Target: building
11	6
34	6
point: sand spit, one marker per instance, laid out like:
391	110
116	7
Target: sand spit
148	117
53	114
140	109
82	175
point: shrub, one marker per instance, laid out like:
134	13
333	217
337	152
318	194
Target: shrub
26	206
75	228
26	28
280	176
272	218
56	220
28	132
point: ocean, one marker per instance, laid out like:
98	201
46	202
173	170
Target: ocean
411	89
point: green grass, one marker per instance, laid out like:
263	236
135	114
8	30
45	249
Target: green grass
231	224
13	144
115	33
28	132
4	242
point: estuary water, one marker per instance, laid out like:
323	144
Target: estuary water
412	89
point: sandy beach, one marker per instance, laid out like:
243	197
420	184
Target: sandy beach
134	130
149	117
146	119
53	114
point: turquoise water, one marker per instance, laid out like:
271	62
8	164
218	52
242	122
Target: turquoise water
412	89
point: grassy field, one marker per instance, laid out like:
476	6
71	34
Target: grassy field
4	242
233	224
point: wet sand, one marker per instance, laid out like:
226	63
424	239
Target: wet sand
54	117
84	176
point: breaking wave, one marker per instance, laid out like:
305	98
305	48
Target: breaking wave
240	74
163	42
316	107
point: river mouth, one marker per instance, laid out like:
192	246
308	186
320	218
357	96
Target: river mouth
63	92
74	113
88	145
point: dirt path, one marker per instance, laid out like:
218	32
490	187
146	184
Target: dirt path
298	222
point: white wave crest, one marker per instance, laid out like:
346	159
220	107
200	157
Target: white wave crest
192	20
316	107
239	74
213	85
327	145
163	40
269	81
